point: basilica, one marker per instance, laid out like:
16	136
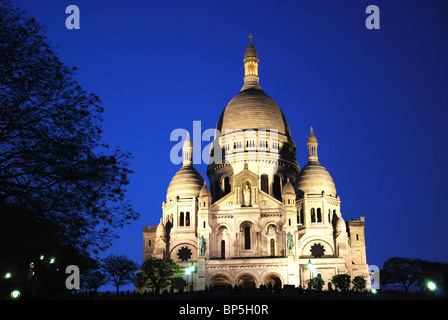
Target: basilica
261	219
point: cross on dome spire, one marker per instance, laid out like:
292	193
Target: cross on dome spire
251	66
312	146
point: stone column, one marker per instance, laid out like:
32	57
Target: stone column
200	282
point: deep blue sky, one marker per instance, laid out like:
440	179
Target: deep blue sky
377	99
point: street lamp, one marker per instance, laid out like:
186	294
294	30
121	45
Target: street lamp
188	271
431	285
15	294
311	268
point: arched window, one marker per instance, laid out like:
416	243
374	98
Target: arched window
319	215
187	219
313	215
223	249
272	243
181	219
217	190
277	188
247	237
226	185
301	217
265	183
329	216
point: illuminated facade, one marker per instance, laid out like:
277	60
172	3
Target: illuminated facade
263	219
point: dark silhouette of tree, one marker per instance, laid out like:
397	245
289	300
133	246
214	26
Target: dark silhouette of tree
93	277
341	281
403	271
413	273
178	283
359	283
119	270
317	283
158	272
60	184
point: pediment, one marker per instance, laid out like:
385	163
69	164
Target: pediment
245	176
267	201
225	203
229	202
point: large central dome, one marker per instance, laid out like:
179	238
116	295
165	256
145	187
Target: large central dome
252	109
252	133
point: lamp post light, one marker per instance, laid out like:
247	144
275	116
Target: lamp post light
15	294
191	269
311	268
431	286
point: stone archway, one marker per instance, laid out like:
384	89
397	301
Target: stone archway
246	281
220	281
273	279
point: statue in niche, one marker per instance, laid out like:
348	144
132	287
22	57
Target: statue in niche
246	196
271	230
290	242
202	245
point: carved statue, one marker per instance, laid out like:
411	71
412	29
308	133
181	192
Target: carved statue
290	242
202	245
246	196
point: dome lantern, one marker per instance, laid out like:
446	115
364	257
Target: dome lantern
187	151
251	66
312	146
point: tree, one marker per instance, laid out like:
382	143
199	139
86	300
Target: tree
94	277
139	281
178	283
158	272
341	281
413	272
317	283
56	173
404	271
119	270
359	283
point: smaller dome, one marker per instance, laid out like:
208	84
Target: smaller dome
312	137
288	188
251	52
160	231
313	179
205	191
187	182
340	225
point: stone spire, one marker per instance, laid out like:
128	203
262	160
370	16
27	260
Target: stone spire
251	66
312	146
187	151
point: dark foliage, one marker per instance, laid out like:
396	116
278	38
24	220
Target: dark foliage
61	186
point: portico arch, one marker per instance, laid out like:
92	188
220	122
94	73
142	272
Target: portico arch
219	281
246	281
272	279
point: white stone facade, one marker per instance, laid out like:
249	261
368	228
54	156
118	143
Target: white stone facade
263	219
